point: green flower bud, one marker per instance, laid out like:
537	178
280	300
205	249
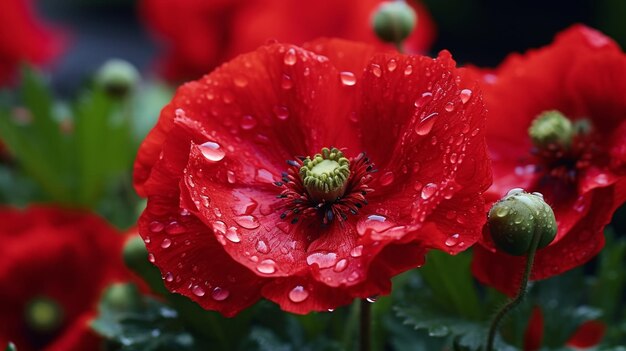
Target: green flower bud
393	21
117	77
123	297
44	315
551	128
516	218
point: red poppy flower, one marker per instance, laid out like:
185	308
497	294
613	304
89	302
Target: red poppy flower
201	34
579	82
23	38
587	335
54	264
229	221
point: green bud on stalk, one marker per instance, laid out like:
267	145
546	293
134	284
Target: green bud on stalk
393	21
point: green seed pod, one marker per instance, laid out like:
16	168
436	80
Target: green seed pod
393	21
117	77
551	128
517	217
123	297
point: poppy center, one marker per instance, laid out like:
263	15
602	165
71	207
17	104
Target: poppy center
327	185
43	315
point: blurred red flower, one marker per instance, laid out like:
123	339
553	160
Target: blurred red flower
587	335
583	76
23	38
54	265
229	221
202	34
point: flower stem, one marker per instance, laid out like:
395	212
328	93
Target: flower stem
509	306
365	325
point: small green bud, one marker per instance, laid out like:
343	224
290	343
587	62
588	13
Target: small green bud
517	217
10	347
393	21
44	315
117	77
551	128
123	297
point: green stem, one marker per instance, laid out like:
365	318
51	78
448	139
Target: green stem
509	306
366	324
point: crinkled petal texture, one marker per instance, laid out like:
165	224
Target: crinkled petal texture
581	74
201	34
23	38
213	220
62	255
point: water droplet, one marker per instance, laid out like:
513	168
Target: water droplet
219	294
219	227
422	100
429	190
580	204
347	78
354	276
290	58
247	221
156	227
376	70
231	234
298	294
262	247
387	178
168	277
356	251
248	122
166	243
408	70
452	240
240	81
466	95
322	259
425	125
230	177
281	112
263	175
267	266
392	65
286	83
449	107
371	299
536	193
331	310
151	258
515	191
502	211
212	151
341	265
174	228
228	97
197	290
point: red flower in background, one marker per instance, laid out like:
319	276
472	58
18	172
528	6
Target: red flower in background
202	34
582	75
587	335
229	221
23	38
54	260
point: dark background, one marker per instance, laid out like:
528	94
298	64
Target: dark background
481	32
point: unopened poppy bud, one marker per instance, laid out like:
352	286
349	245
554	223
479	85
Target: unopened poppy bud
517	217
44	315
117	77
393	21
123	297
551	128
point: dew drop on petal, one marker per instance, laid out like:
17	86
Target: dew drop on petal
212	151
219	294
219	227
232	236
151	258
230	177
267	266
425	125
341	265
466	95
281	112
168	277
392	65
347	78
376	70
428	190
156	227
298	294
248	122
449	107
322	259
262	247
174	228
197	290
286	83
408	70
166	243
290	57
240	81
424	99
247	221
357	251
386	179
452	240
371	299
